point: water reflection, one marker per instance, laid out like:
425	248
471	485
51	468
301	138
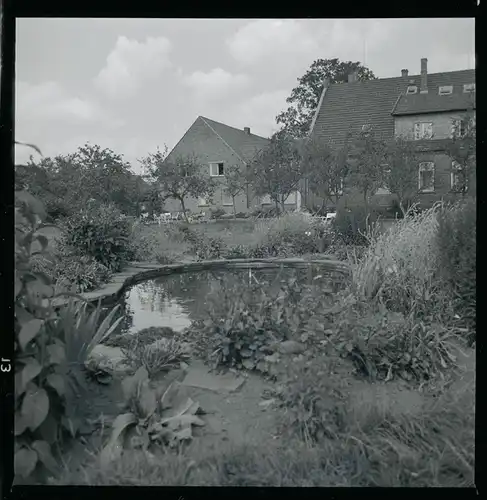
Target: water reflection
176	300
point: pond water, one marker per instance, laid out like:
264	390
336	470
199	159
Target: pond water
176	300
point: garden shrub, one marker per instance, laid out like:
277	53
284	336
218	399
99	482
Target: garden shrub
149	244
216	213
204	247
290	234
350	224
101	232
72	272
456	239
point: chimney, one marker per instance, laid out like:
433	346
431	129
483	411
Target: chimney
424	76
247	130
404	73
353	77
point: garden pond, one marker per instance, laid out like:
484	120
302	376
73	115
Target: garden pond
176	300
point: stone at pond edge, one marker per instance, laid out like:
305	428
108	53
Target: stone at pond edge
288	347
107	359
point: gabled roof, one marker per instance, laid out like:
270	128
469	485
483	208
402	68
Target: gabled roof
346	107
243	144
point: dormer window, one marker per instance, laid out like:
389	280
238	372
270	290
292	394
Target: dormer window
412	89
445	90
469	87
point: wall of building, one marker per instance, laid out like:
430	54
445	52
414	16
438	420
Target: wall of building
442	124
200	141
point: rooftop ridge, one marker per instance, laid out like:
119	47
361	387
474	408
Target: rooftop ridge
234	128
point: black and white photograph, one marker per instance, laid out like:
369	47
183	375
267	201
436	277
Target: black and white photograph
245	252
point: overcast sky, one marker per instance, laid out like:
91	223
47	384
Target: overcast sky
135	84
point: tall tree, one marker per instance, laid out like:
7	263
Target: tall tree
401	172
277	169
325	169
180	178
305	97
235	183
366	164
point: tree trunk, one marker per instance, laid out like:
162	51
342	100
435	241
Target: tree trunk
401	206
234	208
184	209
277	206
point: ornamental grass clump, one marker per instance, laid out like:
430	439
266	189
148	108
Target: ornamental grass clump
400	267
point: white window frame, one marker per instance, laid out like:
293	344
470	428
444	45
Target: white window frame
204	202
468	87
419	130
455	167
266	200
445	90
426	166
412	89
217	164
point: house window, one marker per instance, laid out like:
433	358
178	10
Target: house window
423	130
266	200
426	177
457	179
459	128
203	202
412	89
469	87
445	90
216	169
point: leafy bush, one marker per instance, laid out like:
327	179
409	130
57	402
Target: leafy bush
149	244
456	239
216	213
161	355
243	325
385	345
238	252
75	273
264	212
204	247
241	215
290	234
101	232
350	224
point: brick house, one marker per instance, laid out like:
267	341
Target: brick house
421	108
217	146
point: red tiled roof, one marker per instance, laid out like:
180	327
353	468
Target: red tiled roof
346	107
245	145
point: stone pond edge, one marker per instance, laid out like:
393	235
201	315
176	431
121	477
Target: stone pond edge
135	272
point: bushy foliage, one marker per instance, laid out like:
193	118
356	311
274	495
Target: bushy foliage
290	234
204	247
101	232
149	244
216	213
456	241
350	224
73	272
